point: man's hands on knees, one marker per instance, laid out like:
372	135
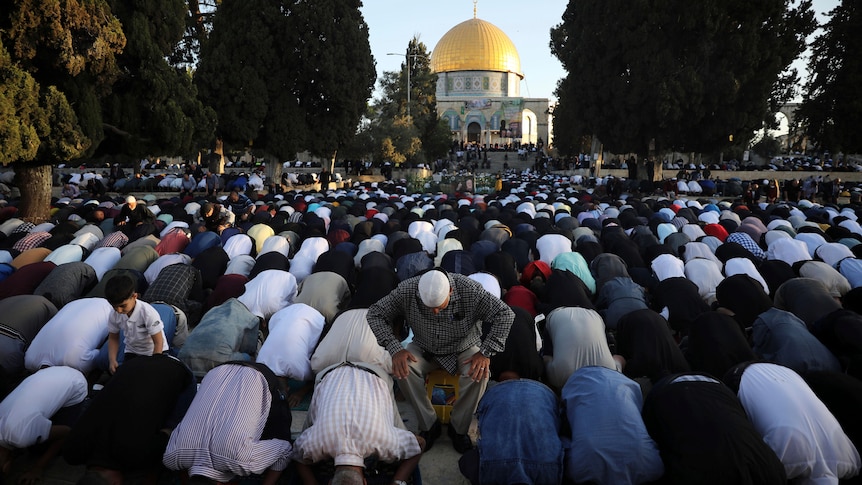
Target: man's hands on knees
480	367
401	363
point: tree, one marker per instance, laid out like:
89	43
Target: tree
241	70
57	61
335	71
434	138
767	147
673	73
287	76
154	107
831	110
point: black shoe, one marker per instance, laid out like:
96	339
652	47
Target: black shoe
461	442
432	434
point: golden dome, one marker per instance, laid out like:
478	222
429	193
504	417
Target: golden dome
475	45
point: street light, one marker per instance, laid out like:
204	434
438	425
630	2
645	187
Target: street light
407	57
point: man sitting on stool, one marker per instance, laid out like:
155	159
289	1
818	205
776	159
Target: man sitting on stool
447	313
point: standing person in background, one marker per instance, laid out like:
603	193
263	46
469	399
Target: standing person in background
116	173
325	177
773	193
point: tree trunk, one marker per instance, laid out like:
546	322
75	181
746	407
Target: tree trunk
217	164
34	182
332	162
272	170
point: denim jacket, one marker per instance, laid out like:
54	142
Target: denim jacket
519	441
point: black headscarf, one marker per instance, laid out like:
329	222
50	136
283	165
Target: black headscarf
644	339
503	266
705	436
716	343
744	296
267	261
372	284
520	355
683	301
564	289
338	262
842	395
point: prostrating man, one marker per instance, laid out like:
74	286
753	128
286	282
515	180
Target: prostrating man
126	427
29	416
353	417
237	425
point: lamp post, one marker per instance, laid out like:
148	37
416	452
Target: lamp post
409	58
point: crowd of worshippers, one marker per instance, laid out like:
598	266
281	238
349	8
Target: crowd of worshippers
594	340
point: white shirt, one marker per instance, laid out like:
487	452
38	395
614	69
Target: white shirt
352	416
72	337
241	264
350	339
293	334
25	414
103	259
278	244
68	253
139	328
667	266
238	244
269	292
735	266
797	425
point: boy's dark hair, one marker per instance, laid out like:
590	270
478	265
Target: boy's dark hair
119	289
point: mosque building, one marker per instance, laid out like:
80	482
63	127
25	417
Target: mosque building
479	88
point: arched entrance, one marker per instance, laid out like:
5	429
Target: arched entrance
474	133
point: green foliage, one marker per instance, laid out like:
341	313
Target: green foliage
240	68
63	38
287	76
62	139
767	147
334	70
19	112
61	57
831	110
400	142
154	106
391	110
679	74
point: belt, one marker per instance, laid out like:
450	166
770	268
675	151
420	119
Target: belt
349	364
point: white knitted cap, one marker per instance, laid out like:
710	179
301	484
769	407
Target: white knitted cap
433	288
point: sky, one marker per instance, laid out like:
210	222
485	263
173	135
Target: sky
392	23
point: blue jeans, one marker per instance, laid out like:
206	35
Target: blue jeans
519	425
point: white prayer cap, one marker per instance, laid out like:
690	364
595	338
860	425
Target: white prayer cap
433	288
